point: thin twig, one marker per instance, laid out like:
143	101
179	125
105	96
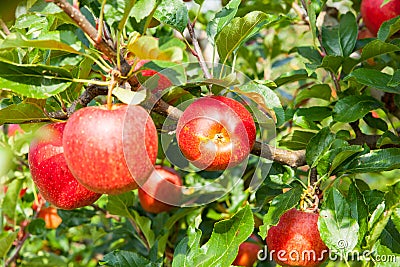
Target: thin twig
4	27
197	51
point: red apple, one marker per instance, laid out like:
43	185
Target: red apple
13	129
374	15
50	172
216	132
50	216
248	252
161	191
111	151
295	240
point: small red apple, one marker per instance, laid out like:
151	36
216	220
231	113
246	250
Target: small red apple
13	129
161	191
374	15
50	172
295	240
216	132
50	217
111	151
248	252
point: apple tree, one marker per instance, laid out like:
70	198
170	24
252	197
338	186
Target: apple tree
200	133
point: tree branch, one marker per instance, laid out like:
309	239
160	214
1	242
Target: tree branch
197	50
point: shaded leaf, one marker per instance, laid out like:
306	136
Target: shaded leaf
376	48
321	91
293	76
22	112
318	146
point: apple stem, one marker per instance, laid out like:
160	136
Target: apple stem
115	74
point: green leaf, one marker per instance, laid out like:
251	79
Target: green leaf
332	161
388	28
373	198
315	113
37	227
297	139
332	63
15	40
388	138
238	31
390	237
173	13
352	108
376	48
11	198
279	205
359	210
221	19
121	258
321	91
373	78
318	146
144	224
338	229
186	249
142	9
294	76
23	112
34	80
6	242
377	223
376	161
341	40
121	204
265	97
376	123
222	247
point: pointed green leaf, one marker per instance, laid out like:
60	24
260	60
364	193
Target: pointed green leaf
31	80
279	205
321	91
121	258
173	13
221	19
238	31
388	28
338	229
222	247
359	210
375	79
6	242
26	111
318	146
352	108
376	161
376	48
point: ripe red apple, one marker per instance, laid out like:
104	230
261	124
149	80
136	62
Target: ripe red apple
50	217
216	132
161	191
248	252
50	172
295	240
110	151
374	15
13	129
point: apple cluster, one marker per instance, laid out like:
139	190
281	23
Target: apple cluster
113	151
